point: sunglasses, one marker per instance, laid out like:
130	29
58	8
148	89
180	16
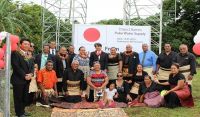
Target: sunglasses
119	75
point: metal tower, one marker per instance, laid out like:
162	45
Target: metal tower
140	12
58	27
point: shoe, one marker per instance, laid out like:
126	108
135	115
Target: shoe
38	104
27	114
42	105
21	116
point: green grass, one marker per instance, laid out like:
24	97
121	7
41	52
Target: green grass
198	60
33	110
138	111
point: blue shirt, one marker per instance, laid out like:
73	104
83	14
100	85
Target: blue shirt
43	60
149	60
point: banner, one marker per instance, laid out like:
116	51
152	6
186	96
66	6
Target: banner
111	36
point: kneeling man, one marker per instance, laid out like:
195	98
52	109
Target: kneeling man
47	82
73	83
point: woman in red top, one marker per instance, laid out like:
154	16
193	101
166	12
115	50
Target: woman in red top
97	81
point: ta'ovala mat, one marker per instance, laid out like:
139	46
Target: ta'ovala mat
110	112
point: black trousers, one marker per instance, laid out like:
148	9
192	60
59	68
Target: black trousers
59	86
20	94
91	96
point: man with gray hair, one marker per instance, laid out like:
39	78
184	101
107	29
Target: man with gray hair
186	60
73	83
130	60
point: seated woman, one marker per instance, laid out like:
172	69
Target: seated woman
122	89
148	94
138	78
73	83
97	81
179	94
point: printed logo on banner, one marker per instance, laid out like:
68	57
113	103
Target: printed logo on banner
91	35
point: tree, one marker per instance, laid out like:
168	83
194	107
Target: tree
186	25
34	22
111	22
8	18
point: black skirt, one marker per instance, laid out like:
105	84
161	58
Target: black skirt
172	100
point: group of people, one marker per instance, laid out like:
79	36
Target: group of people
130	77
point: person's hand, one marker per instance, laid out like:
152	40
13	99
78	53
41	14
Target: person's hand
155	79
92	68
126	81
56	93
81	93
45	97
66	93
27	77
98	88
190	77
167	92
128	97
116	95
153	72
129	81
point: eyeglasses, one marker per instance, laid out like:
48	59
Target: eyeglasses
119	75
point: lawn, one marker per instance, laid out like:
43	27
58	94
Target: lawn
139	111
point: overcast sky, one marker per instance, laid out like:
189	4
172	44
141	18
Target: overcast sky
101	9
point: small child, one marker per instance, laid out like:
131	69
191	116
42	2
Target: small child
109	94
33	89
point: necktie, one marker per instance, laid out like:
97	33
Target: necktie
53	51
143	59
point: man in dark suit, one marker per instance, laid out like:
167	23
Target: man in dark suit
23	68
99	55
61	66
42	58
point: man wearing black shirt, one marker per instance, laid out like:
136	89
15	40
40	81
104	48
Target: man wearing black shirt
187	62
164	62
73	83
61	65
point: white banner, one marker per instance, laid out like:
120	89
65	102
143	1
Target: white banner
111	36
